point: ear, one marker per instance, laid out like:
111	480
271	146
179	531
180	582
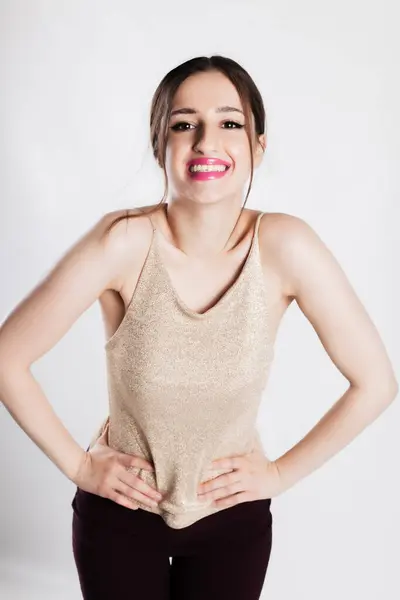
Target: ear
260	149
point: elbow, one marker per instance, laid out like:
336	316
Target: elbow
391	387
394	388
9	368
384	387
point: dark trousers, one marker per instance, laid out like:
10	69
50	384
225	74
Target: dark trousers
123	554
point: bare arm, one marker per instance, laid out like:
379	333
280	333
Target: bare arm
314	278
91	266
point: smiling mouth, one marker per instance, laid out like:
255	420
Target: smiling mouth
208	168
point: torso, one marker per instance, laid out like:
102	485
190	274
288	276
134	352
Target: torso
199	286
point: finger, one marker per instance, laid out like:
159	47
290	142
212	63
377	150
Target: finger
136	483
231	462
232	500
134	493
122	500
218	482
221	492
135	461
233	488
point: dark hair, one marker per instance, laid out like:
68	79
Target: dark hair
161	106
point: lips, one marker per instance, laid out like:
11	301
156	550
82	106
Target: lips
207	161
207	170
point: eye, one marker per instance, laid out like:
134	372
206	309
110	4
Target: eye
185	126
236	125
177	126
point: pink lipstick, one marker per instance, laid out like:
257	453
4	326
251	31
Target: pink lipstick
204	169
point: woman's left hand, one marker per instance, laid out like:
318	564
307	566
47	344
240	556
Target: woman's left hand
253	477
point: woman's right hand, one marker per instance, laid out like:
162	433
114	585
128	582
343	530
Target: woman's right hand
104	472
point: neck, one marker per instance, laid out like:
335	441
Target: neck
202	231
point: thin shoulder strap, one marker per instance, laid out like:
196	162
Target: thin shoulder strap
257	225
149	217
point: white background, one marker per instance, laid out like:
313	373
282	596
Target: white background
76	85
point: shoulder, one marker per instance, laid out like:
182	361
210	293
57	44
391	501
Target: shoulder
124	227
283	228
124	235
291	247
123	222
283	233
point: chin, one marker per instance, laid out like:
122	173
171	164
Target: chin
211	198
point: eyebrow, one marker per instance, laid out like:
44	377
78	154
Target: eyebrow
193	111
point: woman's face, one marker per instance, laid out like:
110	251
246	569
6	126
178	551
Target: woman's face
208	128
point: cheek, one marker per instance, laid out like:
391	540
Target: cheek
175	152
240	155
175	163
171	156
168	164
179	142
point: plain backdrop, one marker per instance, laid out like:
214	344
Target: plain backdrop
76	82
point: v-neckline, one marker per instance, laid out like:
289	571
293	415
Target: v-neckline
226	295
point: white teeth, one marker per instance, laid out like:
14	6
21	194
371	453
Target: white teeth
205	168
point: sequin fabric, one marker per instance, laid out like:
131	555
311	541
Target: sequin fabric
185	387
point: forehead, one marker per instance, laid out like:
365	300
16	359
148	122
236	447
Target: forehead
205	91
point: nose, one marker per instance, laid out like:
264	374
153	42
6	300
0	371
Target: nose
206	140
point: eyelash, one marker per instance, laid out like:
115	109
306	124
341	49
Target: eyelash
175	127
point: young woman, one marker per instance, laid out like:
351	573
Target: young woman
192	292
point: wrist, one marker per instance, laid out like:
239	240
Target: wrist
283	483
74	470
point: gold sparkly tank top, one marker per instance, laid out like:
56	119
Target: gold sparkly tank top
185	387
